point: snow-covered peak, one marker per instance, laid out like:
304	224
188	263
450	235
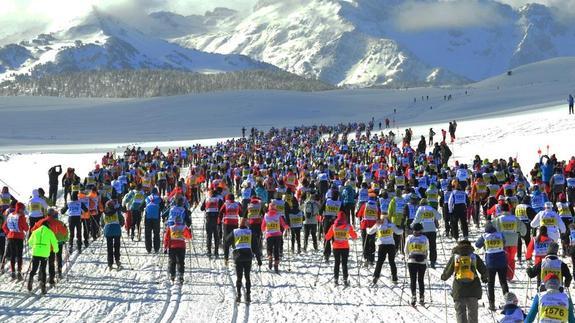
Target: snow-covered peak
100	41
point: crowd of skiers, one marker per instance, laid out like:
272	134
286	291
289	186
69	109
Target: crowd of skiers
334	183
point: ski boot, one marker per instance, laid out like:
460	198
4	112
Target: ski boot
13	275
238	298
43	287
345	282
20	277
248	299
413	300
181	279
492	306
30	283
374	281
336	281
421	300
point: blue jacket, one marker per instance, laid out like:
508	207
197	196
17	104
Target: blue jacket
262	194
546	170
348	195
112	229
153	205
492	260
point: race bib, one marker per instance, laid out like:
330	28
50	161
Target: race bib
494	244
272	226
549	221
416	247
509	226
341	235
384	233
554	313
35	207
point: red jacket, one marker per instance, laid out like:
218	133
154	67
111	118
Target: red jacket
364	224
22	227
176	236
229	215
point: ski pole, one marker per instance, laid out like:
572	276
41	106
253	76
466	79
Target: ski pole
403	285
10	187
357	260
445	299
527	287
126	249
429	284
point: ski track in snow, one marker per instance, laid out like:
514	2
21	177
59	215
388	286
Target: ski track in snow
90	292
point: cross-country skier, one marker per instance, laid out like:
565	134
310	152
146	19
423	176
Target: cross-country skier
340	232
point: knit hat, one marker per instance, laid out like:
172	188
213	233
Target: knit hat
20	207
548	205
551	281
553	248
510	298
52	212
489	227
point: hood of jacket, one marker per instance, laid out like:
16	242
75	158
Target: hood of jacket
463	250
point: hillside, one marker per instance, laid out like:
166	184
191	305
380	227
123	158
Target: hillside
153	83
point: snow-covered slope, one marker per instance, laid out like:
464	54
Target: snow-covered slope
222	114
366	42
101	42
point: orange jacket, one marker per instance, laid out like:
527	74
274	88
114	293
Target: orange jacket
340	231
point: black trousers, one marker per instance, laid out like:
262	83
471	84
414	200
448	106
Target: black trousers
177	257
55	261
368	241
456	218
95	226
228	228
417	277
212	234
38	264
257	241
136	222
2	250
502	273
53	193
15	249
243	269
310	229
295	238
432	237
86	227
273	247
75	224
327	223
340	256
446	218
152	234
113	248
523	239
383	251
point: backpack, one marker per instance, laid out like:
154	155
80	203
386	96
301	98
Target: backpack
465	268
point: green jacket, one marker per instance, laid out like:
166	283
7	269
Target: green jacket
465	289
42	242
395	217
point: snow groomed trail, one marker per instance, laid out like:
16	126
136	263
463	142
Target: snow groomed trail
303	291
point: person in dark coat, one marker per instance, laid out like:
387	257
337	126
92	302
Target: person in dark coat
466	289
53	174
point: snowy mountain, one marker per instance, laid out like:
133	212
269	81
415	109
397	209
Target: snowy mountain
374	42
101	42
